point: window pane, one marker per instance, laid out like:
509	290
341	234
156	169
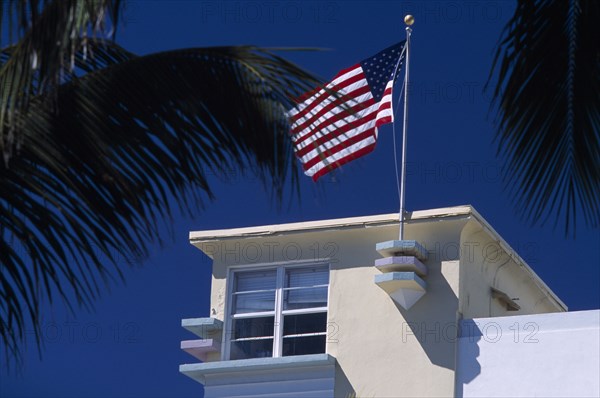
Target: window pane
305	298
252	349
255	280
305	323
303	345
253	302
253	327
306	277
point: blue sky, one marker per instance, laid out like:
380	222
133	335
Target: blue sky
129	346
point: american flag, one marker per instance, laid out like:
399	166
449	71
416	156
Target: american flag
338	123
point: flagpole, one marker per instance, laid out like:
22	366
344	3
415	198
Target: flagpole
408	20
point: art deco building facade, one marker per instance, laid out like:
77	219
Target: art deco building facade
342	308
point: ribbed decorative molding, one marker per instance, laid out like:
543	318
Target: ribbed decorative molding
210	331
402	269
201	348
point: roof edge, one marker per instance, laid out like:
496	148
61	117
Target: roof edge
337	223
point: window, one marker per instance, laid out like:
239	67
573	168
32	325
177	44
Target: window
278	311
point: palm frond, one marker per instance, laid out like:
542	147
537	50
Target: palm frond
548	104
104	156
45	36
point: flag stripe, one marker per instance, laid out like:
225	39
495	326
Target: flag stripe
342	161
338	82
331	92
328	152
343	115
339	103
350	95
317	140
332	162
320	149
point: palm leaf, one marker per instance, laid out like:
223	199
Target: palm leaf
548	103
104	156
48	34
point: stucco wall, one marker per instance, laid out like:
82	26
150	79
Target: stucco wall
545	355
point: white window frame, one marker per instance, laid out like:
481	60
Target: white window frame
278	311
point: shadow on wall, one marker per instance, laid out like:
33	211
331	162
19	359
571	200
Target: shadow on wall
432	320
468	368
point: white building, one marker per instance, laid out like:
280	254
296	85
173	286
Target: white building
339	308
543	355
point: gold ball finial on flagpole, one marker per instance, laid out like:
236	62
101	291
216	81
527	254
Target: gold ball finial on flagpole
409	20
